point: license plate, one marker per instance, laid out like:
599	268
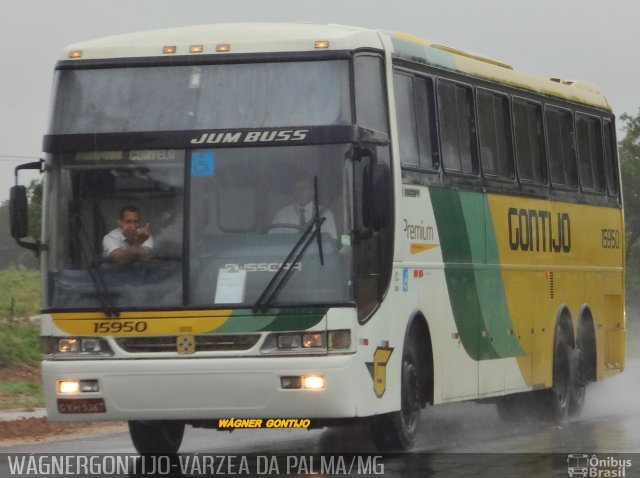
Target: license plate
81	405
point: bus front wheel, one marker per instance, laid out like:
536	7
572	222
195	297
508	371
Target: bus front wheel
156	436
398	430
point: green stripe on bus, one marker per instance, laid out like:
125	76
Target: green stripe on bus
475	289
244	320
504	341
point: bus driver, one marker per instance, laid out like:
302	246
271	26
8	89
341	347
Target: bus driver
300	212
128	242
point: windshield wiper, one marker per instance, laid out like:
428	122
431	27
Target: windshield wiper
283	273
97	277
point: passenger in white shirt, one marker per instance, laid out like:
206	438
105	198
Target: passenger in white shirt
301	211
128	242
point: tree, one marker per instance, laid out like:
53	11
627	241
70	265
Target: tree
34	193
12	255
629	151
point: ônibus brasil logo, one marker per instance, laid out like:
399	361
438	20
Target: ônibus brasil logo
594	466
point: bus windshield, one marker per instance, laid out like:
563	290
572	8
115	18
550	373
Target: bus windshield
175	98
221	222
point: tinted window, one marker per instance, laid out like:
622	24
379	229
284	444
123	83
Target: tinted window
406	119
455	113
371	111
415	118
610	158
166	98
527	120
494	130
562	159
590	154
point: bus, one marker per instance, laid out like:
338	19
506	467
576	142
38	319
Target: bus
464	239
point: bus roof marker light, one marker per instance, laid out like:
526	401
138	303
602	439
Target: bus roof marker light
196	48
322	44
75	54
169	50
223	47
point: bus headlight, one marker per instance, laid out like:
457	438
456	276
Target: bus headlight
288	341
313	340
308	342
339	339
75	347
68	345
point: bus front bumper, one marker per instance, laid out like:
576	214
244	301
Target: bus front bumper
203	388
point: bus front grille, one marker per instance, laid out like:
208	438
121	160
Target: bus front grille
203	343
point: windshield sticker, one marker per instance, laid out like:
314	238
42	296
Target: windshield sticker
230	287
202	163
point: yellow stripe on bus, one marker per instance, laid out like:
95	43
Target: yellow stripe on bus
141	323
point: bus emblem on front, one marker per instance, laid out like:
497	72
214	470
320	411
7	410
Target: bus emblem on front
185	344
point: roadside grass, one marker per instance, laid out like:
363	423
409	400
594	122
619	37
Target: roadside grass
19	386
19	293
16	394
19	344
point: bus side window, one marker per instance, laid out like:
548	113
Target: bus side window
610	158
455	112
529	136
590	155
494	131
406	119
562	156
416	121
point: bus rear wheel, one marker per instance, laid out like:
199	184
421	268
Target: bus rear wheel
579	382
156	437
398	430
556	400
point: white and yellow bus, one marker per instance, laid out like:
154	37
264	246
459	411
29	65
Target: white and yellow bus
464	239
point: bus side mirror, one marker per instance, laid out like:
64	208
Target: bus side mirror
18	212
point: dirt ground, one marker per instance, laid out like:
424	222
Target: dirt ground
30	430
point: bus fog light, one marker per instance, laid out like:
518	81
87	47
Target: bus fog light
313	382
313	340
68	345
340	339
291	382
89	386
288	341
68	386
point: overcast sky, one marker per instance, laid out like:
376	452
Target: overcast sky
593	40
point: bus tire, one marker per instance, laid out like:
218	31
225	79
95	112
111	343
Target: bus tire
578	382
556	400
156	437
397	430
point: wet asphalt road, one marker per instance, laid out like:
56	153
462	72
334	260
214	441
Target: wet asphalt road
466	439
